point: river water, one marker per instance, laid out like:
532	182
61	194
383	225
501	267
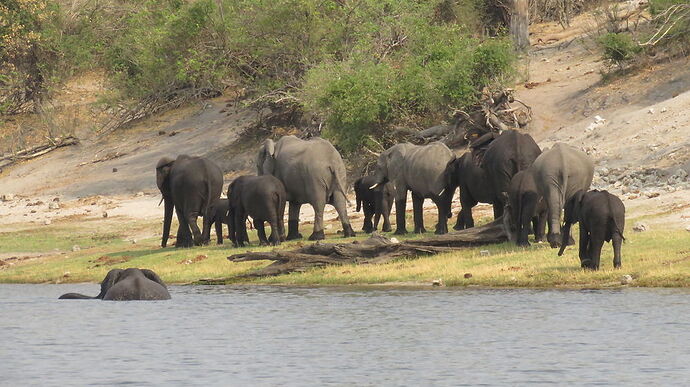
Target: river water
253	336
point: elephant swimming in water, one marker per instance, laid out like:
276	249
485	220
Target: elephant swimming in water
127	285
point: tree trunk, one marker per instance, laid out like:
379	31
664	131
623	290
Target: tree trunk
519	24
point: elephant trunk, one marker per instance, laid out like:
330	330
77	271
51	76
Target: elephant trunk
75	296
167	220
565	234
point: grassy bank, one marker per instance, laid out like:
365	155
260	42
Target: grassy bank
654	259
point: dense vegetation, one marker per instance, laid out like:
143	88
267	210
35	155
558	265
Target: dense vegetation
360	65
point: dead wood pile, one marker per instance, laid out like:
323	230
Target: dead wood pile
30	153
375	250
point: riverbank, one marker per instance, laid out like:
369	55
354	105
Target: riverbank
86	251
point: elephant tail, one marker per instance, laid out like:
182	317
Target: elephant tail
336	183
616	227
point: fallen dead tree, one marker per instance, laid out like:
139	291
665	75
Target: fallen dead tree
494	112
30	153
375	250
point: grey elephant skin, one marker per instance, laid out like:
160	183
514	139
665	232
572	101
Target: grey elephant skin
524	207
262	198
376	203
474	188
420	169
507	154
218	216
559	173
128	285
313	172
602	219
189	185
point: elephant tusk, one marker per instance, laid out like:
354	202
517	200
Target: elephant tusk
442	191
374	186
159	203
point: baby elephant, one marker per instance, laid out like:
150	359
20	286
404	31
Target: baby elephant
262	198
218	216
376	202
602	218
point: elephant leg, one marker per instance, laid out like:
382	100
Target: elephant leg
498	209
219	231
293	221
539	225
554	202
198	237
617	241
400	204
595	245
443	212
465	219
274	238
418	214
318	233
340	204
184	237
240	228
377	218
261	232
386	213
367	226
584	247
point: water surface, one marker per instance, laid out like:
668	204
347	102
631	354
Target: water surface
216	335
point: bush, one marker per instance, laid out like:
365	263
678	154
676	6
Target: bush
618	47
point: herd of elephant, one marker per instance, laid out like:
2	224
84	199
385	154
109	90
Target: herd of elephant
527	187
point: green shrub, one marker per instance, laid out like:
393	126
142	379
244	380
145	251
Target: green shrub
618	47
658	6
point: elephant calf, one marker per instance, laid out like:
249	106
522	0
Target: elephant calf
261	197
602	218
376	202
218	216
127	285
524	206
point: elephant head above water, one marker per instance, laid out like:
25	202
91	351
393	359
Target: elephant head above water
126	285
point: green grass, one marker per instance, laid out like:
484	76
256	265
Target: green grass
655	258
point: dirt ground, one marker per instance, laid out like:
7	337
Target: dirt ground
636	128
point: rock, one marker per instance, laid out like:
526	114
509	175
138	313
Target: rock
114	170
652	194
467	275
650	111
640	227
139	194
626	279
67	274
33	211
7	197
394	240
56	199
484	253
47	222
105	214
687	228
133	241
664	109
53	206
437	282
76	248
161	132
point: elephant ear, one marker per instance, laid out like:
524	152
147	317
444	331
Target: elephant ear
162	172
450	174
573	208
150	274
110	279
265	160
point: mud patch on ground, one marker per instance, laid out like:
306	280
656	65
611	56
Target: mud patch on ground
109	261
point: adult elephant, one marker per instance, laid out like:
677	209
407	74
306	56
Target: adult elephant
126	285
189	185
313	172
474	188
503	157
420	169
559	173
